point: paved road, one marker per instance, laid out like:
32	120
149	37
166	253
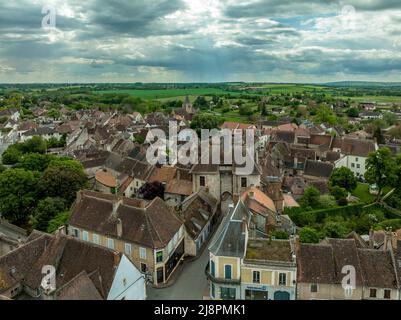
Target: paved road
190	285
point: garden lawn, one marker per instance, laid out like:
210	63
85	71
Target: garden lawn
362	192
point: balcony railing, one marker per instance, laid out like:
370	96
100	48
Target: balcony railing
220	280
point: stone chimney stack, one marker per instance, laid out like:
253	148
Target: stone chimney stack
388	235
119	228
116	204
371	239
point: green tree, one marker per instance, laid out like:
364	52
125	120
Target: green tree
390	118
245	110
381	169
344	178
33	145
201	103
59	220
378	135
46	210
310	198
17	195
338	192
205	121
280	234
335	230
326	202
325	114
353	112
62	179
11	156
308	235
53	113
34	162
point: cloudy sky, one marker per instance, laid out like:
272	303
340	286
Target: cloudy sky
200	40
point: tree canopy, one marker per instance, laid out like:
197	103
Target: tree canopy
344	178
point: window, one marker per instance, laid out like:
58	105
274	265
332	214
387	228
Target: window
372	293
243	182
358	165
213	293
227	293
313	287
159	256
356	159
256	295
76	233
142	253
227	271
128	249
352	165
282	279
144	267
256	276
202	181
387	294
212	268
85	235
110	243
95	238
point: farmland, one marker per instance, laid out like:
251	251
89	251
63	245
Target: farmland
163	94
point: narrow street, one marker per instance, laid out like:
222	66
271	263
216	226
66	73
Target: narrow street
190	285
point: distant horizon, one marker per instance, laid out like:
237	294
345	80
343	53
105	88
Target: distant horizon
196	82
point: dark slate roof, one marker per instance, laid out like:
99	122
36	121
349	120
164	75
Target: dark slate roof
355	147
318	168
286	136
15	265
70	256
205	168
229	239
378	269
323	263
315	264
39	131
332	156
152	226
197	210
79	288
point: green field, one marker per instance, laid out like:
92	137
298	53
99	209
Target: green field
294	88
164	94
378	99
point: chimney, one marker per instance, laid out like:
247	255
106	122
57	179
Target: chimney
371	240
115	207
178	174
388	234
119	228
251	195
